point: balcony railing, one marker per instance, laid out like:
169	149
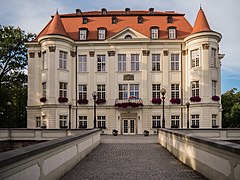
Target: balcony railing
131	102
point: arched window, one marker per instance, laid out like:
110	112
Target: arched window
128	37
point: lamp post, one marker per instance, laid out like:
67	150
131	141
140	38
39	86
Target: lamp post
188	104
9	104
163	92
69	111
94	95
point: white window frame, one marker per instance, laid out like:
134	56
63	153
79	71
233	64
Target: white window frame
63	121
134	90
101	91
101	34
38	122
195	88
82	91
123	91
62	60
63	89
175	62
175	91
155	62
82	120
214	88
195	119
195	60
156	94
134	62
175	120
172	33
83	34
121	62
82	63
156	121
44	89
154	33
101	121
214	119
44	60
101	63
214	57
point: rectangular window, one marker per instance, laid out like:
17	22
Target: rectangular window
82	91
38	121
156	121
62	121
82	63
155	62
156	91
175	91
195	88
83	34
172	33
195	120
121	62
175	121
84	20
44	121
154	33
214	57
101	122
123	91
214	120
82	121
101	92
62	60
214	88
44	88
134	90
62	89
101	63
101	34
135	62
44	60
195	58
174	62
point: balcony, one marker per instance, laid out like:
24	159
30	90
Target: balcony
131	102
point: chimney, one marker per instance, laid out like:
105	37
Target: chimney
127	10
78	11
104	11
151	10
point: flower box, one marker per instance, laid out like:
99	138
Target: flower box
156	101
156	126
63	127
194	126
175	101
175	126
195	99
128	104
215	126
62	99
215	98
82	101
101	101
43	99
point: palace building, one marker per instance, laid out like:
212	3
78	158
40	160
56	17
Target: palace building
147	70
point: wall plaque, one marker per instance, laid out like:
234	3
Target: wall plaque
128	77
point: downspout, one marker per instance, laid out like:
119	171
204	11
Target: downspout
181	89
76	85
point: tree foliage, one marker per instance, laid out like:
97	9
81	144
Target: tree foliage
231	108
13	80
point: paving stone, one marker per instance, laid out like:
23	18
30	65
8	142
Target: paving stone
131	161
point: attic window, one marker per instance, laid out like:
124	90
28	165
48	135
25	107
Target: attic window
114	20
102	33
140	19
128	37
169	19
151	10
172	33
84	20
154	32
104	11
83	33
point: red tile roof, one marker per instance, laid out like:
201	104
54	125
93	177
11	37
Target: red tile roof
201	23
69	24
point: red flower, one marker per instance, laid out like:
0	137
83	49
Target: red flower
175	101
43	99
215	98
101	101
82	101
156	101
195	99
62	99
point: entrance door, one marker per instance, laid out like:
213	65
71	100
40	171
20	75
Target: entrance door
128	126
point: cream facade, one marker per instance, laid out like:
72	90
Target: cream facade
128	73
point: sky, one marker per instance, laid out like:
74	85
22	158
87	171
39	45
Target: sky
223	16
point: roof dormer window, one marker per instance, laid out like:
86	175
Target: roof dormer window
169	19
128	37
114	20
154	32
84	20
140	19
104	11
172	33
102	33
83	33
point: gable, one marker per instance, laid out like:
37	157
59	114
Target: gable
128	32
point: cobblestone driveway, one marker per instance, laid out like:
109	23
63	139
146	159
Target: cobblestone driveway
113	161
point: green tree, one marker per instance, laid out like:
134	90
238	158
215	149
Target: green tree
13	80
